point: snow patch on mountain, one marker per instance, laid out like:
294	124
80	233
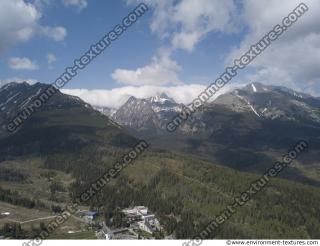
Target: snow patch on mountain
254	88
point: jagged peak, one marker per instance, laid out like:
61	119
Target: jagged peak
164	95
161	98
131	99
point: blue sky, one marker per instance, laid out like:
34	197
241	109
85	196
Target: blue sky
178	46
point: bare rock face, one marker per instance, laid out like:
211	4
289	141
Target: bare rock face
147	114
272	102
251	104
14	97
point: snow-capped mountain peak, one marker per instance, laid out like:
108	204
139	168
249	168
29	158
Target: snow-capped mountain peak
145	113
161	98
272	102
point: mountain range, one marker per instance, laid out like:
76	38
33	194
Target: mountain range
256	99
151	114
253	118
243	129
186	177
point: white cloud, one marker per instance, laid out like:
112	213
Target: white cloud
79	4
196	18
162	70
23	63
116	97
42	4
293	59
290	61
56	33
18	21
185	23
17	80
185	40
51	58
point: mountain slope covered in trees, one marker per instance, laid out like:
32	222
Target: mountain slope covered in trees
62	150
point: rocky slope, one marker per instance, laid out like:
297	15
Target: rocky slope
260	102
150	114
272	102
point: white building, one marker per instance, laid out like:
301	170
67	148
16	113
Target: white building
88	216
147	221
108	235
138	210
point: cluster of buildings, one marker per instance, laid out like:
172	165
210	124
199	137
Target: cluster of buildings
141	218
87	216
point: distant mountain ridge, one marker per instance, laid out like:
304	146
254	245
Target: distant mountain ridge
256	99
186	177
152	114
15	96
147	114
63	122
243	129
272	102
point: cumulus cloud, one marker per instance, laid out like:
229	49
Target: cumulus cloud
22	63
18	21
293	59
42	4
116	97
184	23
78	4
51	58
56	33
195	19
162	70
